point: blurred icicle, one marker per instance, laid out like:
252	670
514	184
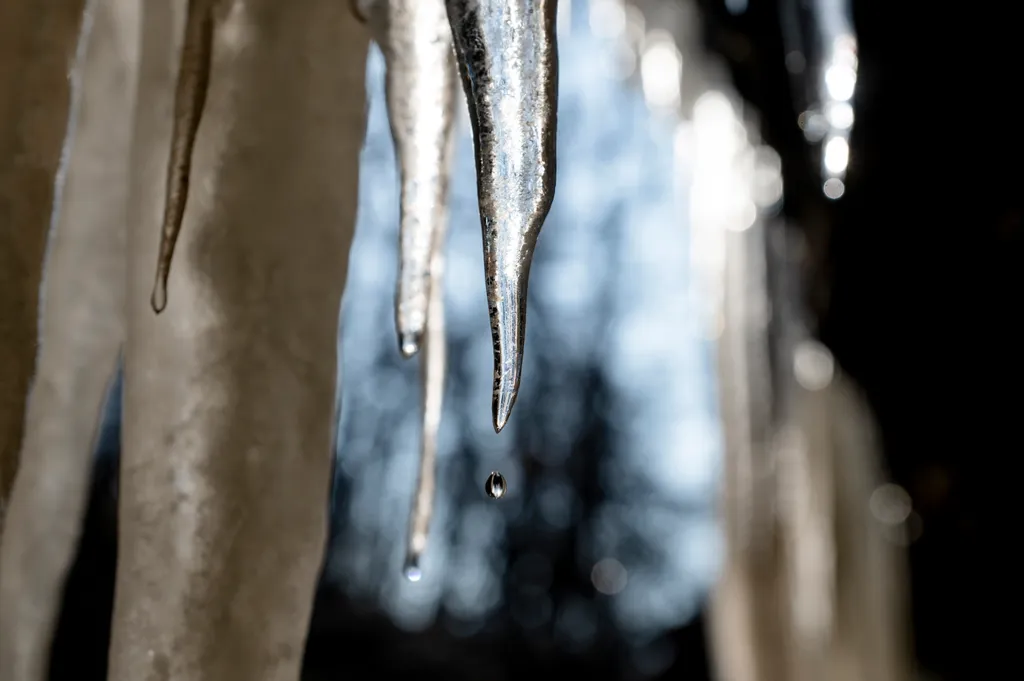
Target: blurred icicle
421	93
811	588
433	370
845	556
422	86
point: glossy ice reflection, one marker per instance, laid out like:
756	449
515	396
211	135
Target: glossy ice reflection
615	439
615	448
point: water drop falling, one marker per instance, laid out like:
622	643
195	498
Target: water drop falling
495	485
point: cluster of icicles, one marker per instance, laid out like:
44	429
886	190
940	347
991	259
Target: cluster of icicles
506	53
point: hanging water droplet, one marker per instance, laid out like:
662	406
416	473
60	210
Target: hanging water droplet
495	485
409	345
412	570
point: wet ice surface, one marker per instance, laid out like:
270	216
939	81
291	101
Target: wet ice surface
611	454
614	355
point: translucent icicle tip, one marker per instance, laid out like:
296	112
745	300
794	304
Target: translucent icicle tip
412	570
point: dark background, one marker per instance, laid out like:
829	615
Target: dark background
914	277
919	282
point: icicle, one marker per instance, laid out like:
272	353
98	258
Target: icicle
421	93
508	59
433	372
189	100
421	90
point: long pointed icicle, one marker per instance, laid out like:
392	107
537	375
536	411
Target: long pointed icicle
433	368
189	100
422	85
508	57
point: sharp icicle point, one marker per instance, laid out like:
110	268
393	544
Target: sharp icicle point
508	58
189	100
422	87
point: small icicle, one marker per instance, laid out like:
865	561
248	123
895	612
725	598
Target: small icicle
421	92
189	99
508	58
433	373
361	9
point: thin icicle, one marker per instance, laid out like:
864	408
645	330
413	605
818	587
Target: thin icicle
422	87
421	93
433	370
508	56
189	100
